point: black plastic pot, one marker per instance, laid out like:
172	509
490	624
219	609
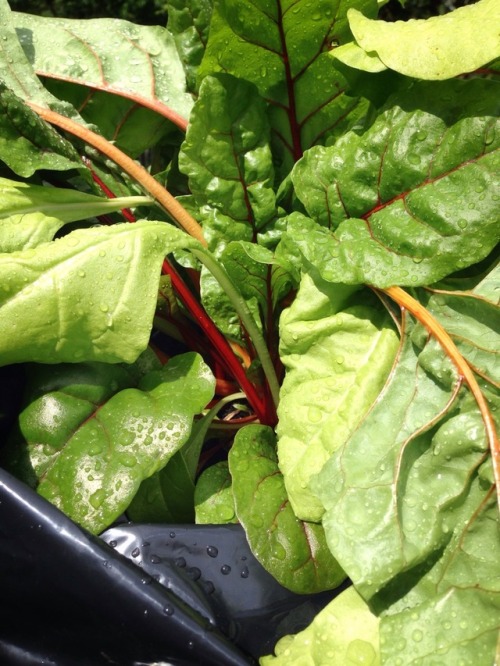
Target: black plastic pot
139	594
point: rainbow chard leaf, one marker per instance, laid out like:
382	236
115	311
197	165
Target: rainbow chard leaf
283	50
437	48
294	551
398	488
91	447
406	197
75	299
66	52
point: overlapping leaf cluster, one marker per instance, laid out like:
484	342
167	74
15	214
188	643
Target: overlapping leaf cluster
328	166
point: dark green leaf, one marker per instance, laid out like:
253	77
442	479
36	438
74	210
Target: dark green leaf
189	23
283	49
294	551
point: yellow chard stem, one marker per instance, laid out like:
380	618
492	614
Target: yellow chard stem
404	300
132	168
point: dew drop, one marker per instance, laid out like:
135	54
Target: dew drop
212	551
136	552
244	573
225	569
169	610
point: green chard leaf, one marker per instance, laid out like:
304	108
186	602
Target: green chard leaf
92	446
32	214
213	496
90	295
227	157
293	551
189	23
436	48
344	633
338	347
139	65
454	609
396	490
27	143
283	50
398	204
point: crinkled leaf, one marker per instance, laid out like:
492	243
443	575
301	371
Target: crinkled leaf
394	491
293	551
102	456
337	346
353	55
473	321
27	143
227	157
436	48
398	204
189	23
453	607
344	633
213	496
282	49
459	626
32	214
138	63
90	295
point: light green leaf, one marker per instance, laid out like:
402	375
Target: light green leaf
337	346
396	489
436	48
354	56
213	496
459	626
32	214
103	451
344	633
90	295
399	203
293	551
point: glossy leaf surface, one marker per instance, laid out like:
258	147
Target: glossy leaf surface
337	347
397	204
282	49
90	295
213	497
189	23
103	451
294	551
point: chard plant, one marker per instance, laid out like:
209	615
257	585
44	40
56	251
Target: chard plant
248	273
